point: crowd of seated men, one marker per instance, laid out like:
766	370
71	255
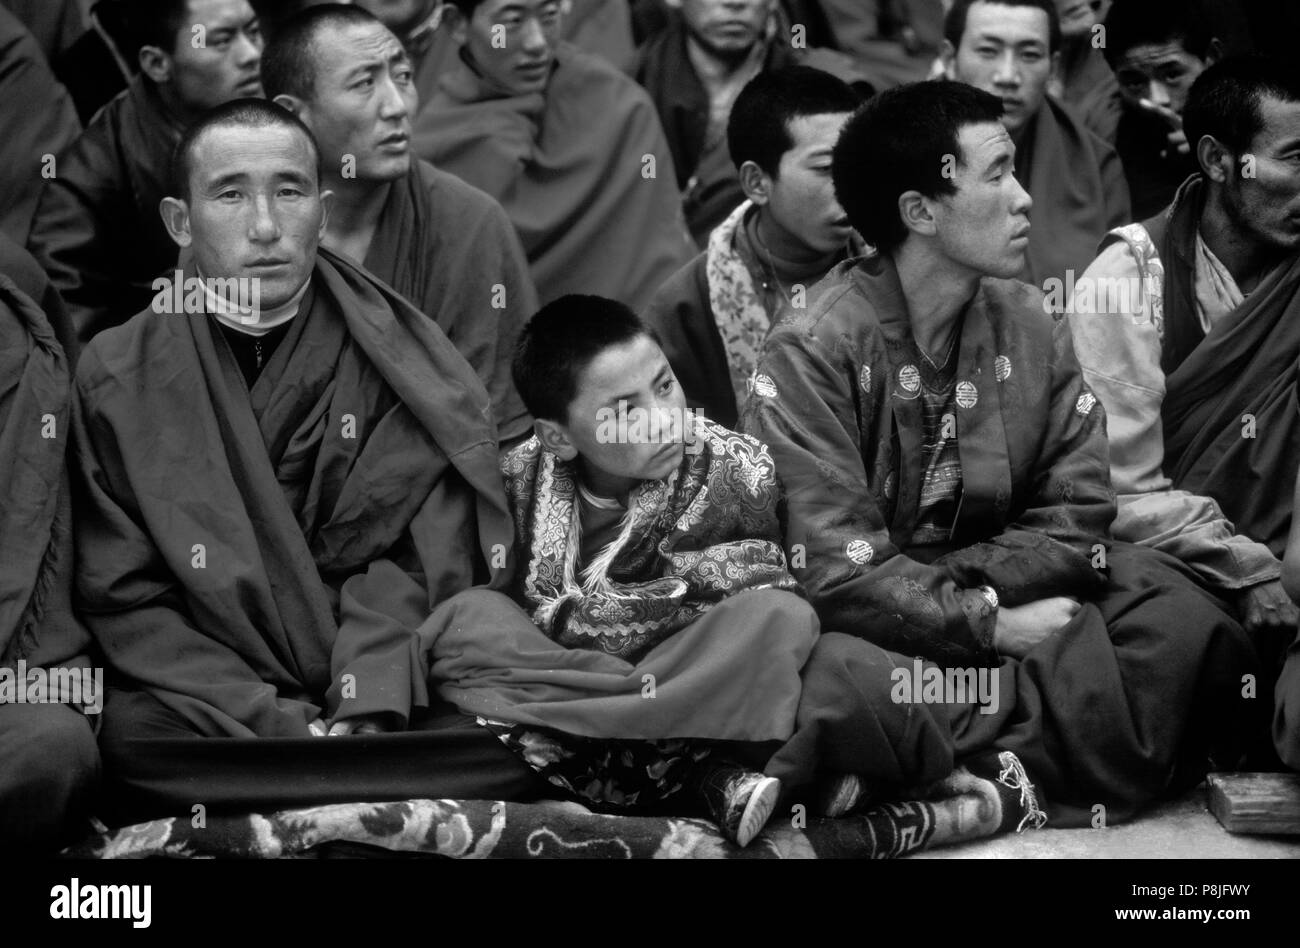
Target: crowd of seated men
393	389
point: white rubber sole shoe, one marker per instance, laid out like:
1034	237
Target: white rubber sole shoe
758	810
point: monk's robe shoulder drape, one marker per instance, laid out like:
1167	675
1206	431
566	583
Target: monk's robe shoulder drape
837	399
97	231
1079	191
40	122
583	171
1230	406
241	554
451	251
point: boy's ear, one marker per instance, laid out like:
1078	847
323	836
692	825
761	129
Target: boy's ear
555	438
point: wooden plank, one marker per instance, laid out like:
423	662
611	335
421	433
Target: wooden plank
1255	802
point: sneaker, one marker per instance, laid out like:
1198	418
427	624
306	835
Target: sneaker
749	801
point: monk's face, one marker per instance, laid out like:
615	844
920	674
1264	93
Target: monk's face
1262	196
984	226
1005	51
255	209
726	28
1161	73
511	42
362	104
614	458
217	56
801	198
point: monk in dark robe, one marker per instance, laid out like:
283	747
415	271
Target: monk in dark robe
1196	358
257	480
713	315
96	229
569	145
447	247
1010	48
38	122
600	27
49	766
946	475
694	70
1157	49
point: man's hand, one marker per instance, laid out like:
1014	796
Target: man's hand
362	724
1266	607
1020	628
316	728
1177	137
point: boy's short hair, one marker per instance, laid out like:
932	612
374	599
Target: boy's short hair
901	141
1133	23
1224	100
758	129
954	23
560	341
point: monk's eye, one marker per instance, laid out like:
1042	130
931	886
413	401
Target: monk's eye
253	30
666	385
365	83
289	191
228	196
1031	56
987	52
403	74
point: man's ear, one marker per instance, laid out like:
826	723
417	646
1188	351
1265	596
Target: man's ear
292	103
756	184
673	4
176	218
1215	160
555	438
914	208
155	64
326	205
1214	52
948	56
1055	60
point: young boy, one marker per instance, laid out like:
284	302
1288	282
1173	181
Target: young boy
713	315
648	552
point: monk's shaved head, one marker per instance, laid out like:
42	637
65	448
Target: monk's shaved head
289	63
241	113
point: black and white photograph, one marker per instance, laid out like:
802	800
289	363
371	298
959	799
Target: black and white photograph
437	431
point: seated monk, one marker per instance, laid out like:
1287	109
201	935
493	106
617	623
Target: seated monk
96	229
445	246
713	315
600	27
663	616
1010	48
255	482
946	478
49	766
569	145
695	68
1187	326
1157	49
